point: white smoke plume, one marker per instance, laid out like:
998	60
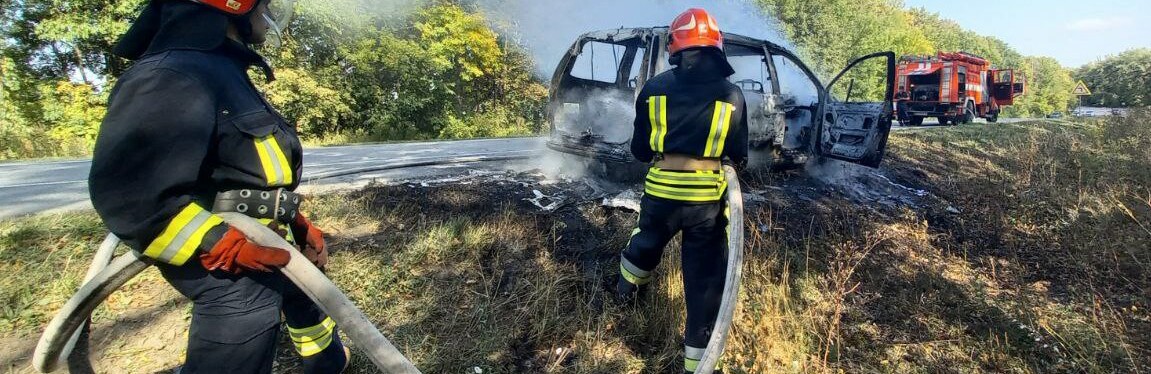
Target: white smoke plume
548	27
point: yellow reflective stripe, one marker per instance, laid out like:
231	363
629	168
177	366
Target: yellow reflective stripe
678	185
657	113
717	136
652	106
690	364
662	121
183	235
691	357
631	278
632	269
664	192
280	225
725	125
705	182
277	171
686	173
687	177
312	340
727	216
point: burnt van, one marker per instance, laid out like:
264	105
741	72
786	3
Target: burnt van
792	116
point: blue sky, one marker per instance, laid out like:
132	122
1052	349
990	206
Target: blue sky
1073	32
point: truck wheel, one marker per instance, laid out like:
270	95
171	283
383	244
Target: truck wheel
969	114
944	121
916	121
993	118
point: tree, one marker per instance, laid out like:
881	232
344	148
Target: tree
1123	80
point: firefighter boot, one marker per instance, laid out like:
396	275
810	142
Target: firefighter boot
627	292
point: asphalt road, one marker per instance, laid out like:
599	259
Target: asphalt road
932	122
53	186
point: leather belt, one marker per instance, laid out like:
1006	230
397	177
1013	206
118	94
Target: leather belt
279	204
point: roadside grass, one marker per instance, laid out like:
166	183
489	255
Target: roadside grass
1032	259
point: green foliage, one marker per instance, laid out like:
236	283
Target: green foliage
1123	80
1049	88
422	69
831	33
75	112
315	108
442	72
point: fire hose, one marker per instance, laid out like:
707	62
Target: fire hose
730	299
61	332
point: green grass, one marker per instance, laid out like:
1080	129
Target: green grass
1043	270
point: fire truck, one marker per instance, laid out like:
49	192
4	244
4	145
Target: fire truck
955	87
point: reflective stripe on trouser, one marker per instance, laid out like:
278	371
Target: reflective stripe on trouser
181	238
236	319
704	254
632	273
699	186
692	356
311	340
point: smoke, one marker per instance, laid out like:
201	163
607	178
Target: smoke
548	27
606	116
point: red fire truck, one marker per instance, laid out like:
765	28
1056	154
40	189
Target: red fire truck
954	87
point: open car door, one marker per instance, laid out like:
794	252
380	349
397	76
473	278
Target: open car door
857	111
1006	85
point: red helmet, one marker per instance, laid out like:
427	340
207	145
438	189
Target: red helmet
694	28
233	7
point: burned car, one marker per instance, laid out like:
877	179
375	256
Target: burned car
792	116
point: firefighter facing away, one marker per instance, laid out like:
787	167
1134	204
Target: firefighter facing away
688	121
188	135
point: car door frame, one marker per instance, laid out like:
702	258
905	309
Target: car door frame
872	157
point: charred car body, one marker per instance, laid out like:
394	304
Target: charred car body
791	114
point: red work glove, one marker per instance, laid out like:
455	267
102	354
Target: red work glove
234	254
311	241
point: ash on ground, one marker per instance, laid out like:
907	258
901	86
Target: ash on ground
824	184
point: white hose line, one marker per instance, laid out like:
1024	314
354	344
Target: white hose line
99	262
58	333
328	297
46	357
723	320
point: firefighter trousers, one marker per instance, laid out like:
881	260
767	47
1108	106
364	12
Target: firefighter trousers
704	255
236	322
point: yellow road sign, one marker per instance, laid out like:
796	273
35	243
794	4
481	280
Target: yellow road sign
1081	90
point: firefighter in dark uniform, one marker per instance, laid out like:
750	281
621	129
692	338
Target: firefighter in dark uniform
187	135
688	121
901	99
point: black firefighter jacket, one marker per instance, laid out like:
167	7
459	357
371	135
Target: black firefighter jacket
181	126
703	118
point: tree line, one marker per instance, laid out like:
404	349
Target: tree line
1122	80
356	70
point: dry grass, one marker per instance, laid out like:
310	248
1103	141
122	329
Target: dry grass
1043	270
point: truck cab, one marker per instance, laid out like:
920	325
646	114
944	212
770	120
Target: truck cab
792	116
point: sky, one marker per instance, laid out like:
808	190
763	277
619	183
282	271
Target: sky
1075	32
